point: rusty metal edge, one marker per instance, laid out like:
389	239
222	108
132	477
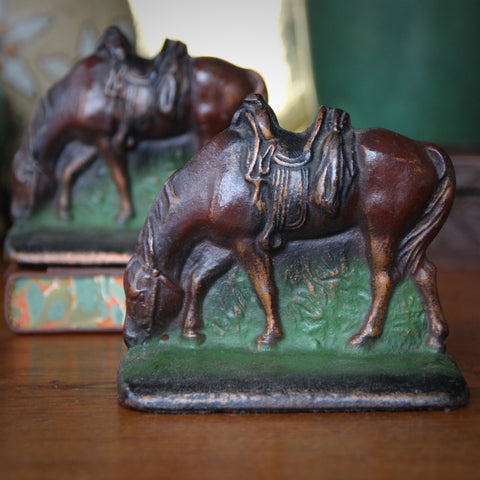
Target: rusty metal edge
285	401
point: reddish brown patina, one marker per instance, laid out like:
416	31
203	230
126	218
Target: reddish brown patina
114	99
255	187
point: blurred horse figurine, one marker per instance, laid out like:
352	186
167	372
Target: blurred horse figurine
113	99
263	186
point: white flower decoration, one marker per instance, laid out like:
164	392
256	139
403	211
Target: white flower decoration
57	66
13	69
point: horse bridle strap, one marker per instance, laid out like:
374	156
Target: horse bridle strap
37	165
164	279
168	283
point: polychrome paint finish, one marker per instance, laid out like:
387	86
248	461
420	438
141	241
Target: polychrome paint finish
322	305
92	236
313	368
324	296
57	303
95	198
164	363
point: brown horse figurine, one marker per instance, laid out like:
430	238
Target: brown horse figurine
261	186
114	99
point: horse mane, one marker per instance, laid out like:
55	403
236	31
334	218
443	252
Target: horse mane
35	136
148	243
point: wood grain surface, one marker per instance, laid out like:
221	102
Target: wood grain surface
59	418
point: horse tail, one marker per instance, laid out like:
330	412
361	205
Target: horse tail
258	83
415	243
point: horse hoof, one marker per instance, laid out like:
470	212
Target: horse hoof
64	215
365	336
268	340
359	340
436	344
123	217
193	337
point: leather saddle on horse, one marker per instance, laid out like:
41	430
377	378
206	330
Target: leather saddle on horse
142	88
312	166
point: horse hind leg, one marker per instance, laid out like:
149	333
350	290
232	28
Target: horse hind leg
259	267
424	277
117	164
384	277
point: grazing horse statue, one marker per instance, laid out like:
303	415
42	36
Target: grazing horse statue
262	186
113	99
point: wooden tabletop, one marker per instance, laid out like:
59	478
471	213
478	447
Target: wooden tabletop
59	418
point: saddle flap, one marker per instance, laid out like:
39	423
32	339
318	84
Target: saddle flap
335	165
288	204
168	93
328	175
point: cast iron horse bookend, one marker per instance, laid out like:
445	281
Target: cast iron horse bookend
117	116
111	101
300	213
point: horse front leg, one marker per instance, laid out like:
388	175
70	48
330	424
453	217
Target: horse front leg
210	264
258	265
82	157
384	277
117	164
424	277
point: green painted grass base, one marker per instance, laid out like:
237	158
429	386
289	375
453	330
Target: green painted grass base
92	225
324	296
159	378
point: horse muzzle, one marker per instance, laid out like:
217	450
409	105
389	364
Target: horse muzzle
133	336
20	208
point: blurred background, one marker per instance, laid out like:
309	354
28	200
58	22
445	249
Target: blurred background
411	66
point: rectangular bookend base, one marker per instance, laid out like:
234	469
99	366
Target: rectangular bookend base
194	382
